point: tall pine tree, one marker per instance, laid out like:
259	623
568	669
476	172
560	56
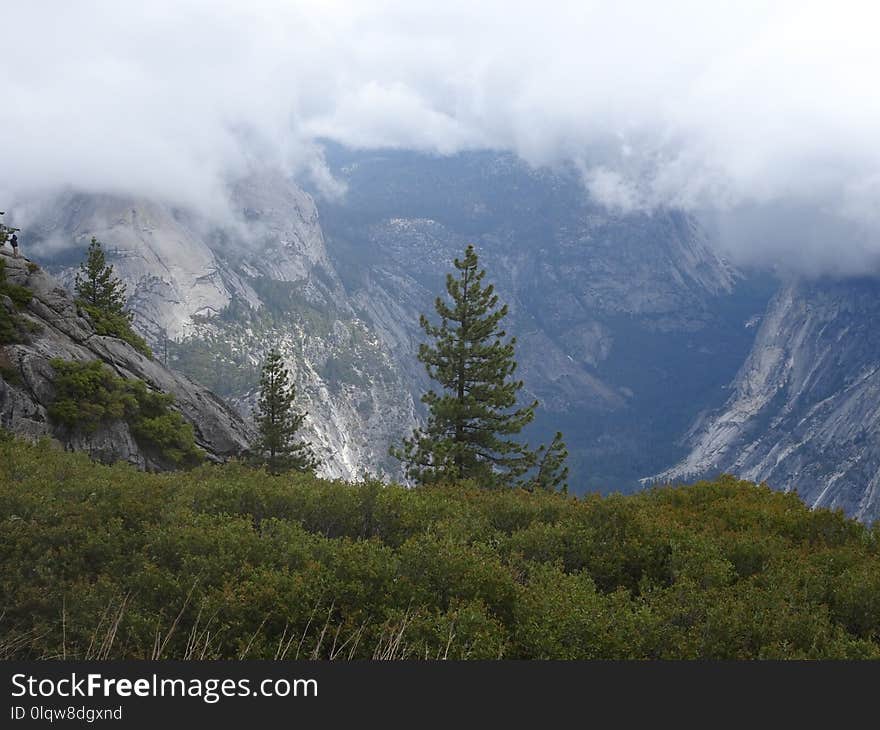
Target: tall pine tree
96	286
473	418
278	421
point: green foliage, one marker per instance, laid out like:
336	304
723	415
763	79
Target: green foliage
20	295
95	284
551	471
471	420
116	325
244	561
10	332
12	328
215	363
9	373
88	395
278	421
161	428
102	296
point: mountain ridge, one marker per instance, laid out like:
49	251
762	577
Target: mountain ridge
805	405
58	329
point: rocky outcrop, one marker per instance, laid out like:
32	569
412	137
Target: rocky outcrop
218	294
59	330
804	413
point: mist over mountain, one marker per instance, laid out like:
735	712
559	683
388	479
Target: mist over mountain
711	109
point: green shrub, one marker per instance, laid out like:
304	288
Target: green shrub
115	325
20	295
88	395
9	373
9	330
265	567
12	328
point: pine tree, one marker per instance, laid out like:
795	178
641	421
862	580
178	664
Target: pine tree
278	422
472	418
97	287
551	471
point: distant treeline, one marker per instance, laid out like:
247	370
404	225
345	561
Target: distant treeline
109	562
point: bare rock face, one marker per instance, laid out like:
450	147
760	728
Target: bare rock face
59	331
804	414
218	294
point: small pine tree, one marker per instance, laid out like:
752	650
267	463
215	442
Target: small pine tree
278	422
551	470
471	420
97	287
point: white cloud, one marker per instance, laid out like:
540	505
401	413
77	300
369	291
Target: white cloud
712	106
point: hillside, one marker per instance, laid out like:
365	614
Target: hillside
218	294
628	323
109	562
47	334
804	413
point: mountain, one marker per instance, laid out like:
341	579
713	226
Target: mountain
628	323
54	328
213	296
804	412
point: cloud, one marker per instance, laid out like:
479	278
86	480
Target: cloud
708	106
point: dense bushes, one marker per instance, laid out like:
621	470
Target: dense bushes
88	395
227	561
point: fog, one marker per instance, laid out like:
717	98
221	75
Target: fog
764	115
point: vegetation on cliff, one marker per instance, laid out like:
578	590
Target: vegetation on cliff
101	295
88	395
12	327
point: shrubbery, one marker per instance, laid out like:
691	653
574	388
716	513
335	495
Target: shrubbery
229	562
115	325
88	395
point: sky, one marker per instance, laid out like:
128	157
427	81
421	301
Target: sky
763	116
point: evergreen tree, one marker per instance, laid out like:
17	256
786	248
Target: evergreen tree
475	414
278	421
551	470
97	287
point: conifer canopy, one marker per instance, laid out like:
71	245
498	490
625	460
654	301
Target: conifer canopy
95	284
278	421
474	414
